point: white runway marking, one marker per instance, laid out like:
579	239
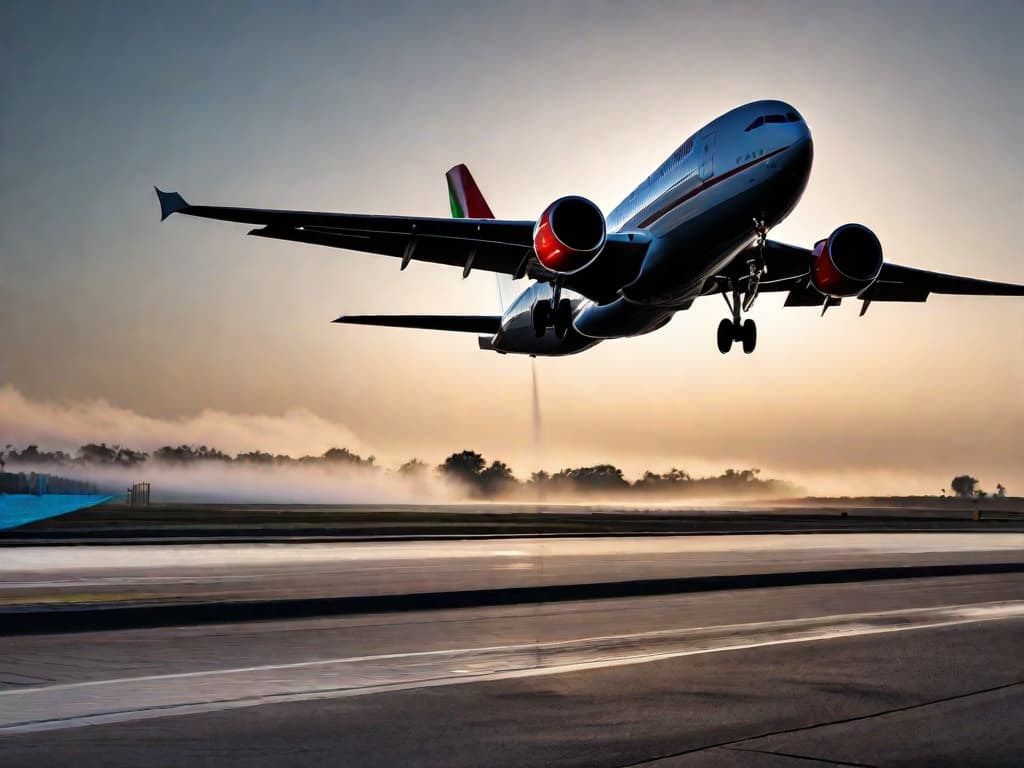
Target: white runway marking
72	705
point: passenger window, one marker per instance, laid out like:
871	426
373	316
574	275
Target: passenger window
756	124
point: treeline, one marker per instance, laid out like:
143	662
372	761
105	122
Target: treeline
103	455
469	469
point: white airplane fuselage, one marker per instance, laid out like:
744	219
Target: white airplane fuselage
698	209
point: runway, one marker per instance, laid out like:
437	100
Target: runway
686	680
899	670
64	575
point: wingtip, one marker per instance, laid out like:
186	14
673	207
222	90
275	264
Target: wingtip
170	202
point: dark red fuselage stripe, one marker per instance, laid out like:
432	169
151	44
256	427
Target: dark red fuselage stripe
706	185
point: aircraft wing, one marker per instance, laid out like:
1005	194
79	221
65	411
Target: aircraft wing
494	245
788	270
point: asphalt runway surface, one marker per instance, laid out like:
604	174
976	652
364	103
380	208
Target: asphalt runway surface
193	523
62	576
901	672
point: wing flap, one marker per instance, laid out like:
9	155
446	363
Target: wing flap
460	323
492	257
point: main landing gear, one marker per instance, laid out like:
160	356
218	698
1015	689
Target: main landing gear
733	330
556	313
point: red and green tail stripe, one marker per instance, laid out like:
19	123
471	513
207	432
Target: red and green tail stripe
464	195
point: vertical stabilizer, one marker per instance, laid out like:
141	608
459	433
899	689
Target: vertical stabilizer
464	195
467	202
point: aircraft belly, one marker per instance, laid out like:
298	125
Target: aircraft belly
620	318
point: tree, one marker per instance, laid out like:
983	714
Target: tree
496	478
126	457
964	486
187	453
604	477
413	468
1000	491
32	455
465	466
91	453
345	456
255	457
673	480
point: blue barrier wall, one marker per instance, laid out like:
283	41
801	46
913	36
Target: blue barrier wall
22	509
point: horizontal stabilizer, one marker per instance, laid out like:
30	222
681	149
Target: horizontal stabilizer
463	323
170	202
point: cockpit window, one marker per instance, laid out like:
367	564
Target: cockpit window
791	117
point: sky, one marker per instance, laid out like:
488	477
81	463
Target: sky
114	326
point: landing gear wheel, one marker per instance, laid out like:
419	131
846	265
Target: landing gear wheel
749	334
563	318
725	336
541	315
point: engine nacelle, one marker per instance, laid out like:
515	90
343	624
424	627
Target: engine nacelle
847	262
569	234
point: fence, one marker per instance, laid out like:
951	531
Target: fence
39	484
137	495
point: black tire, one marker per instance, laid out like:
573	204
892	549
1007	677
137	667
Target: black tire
541	315
725	336
563	318
565	311
749	336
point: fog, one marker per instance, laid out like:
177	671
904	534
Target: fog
224	482
299	432
65	426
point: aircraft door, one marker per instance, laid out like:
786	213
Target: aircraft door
707	156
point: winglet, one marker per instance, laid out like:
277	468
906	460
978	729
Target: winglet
170	202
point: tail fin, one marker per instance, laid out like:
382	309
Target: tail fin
464	195
468	203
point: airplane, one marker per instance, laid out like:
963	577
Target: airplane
697	226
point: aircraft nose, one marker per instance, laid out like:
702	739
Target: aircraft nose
801	153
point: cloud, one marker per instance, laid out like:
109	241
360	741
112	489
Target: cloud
297	431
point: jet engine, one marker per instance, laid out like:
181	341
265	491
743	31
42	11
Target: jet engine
569	234
846	262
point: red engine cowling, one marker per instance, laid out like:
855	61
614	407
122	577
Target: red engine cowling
847	262
569	234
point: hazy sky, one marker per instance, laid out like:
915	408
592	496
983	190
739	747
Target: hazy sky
917	111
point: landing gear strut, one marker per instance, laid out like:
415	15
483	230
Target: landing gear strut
556	313
733	330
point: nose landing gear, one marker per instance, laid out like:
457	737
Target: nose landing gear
733	330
